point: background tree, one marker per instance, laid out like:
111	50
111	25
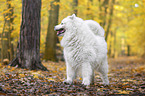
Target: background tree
75	5
103	6
7	48
110	19
50	46
89	14
28	55
127	22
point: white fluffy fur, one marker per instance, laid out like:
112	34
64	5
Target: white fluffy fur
95	27
85	49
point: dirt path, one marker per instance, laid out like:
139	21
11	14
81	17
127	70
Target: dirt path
126	75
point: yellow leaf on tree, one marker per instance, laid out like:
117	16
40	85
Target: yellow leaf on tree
56	3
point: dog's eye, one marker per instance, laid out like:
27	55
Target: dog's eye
61	23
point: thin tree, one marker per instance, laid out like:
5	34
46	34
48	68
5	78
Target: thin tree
7	52
28	55
75	5
105	4
110	19
51	38
89	14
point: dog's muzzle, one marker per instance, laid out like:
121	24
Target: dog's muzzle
59	30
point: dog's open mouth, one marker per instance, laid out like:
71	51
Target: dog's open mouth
60	31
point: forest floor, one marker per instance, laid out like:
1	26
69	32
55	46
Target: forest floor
126	75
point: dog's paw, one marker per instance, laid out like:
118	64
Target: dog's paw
86	82
67	81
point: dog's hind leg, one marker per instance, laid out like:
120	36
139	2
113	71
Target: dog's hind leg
103	69
92	77
70	74
87	73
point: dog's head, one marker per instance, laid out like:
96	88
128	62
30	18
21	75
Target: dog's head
64	25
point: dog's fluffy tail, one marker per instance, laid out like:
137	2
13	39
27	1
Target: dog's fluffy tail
95	27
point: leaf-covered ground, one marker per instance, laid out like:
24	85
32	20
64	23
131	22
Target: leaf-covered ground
126	75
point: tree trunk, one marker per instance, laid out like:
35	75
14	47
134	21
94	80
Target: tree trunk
7	52
105	4
28	55
50	47
109	50
100	13
75	4
89	13
115	55
110	20
128	50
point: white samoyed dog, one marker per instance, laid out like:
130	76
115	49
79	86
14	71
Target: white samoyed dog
85	49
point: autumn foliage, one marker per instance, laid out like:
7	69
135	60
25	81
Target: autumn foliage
125	33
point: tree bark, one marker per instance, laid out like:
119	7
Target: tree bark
51	38
75	4
128	50
100	9
115	55
105	4
28	53
110	20
7	52
89	13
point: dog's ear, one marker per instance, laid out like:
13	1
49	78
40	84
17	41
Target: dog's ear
73	16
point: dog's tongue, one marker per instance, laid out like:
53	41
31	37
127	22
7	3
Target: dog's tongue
59	32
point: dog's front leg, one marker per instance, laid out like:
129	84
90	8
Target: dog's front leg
70	74
87	73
